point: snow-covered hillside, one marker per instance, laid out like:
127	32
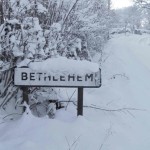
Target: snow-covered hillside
116	116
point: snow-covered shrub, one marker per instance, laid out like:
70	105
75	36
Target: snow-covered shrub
35	30
10	53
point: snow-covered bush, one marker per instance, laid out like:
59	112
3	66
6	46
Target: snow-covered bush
35	30
10	53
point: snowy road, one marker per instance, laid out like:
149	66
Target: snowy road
126	87
133	58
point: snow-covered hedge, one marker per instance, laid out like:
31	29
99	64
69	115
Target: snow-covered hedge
41	30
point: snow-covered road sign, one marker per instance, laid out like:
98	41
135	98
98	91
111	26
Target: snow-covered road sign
28	77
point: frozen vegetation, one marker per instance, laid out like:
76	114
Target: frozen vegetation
53	39
116	116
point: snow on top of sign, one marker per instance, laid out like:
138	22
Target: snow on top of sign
62	65
23	63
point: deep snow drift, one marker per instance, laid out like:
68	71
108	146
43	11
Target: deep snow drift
125	91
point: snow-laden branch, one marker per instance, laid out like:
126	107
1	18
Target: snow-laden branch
70	10
123	109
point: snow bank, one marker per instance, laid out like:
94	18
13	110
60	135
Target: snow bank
105	130
30	133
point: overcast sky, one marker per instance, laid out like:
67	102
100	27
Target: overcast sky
121	3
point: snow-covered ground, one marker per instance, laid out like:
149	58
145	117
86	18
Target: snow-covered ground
125	92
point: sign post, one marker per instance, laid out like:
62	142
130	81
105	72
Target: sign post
80	102
25	94
25	77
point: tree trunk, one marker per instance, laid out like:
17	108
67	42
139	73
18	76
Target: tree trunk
1	12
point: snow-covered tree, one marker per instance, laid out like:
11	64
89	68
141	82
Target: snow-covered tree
143	3
129	19
144	6
35	30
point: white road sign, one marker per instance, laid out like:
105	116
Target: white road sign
28	77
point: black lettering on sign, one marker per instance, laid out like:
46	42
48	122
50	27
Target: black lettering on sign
79	78
71	77
89	77
49	77
32	76
54	79
45	77
62	78
24	76
39	76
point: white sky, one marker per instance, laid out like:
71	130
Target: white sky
121	3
